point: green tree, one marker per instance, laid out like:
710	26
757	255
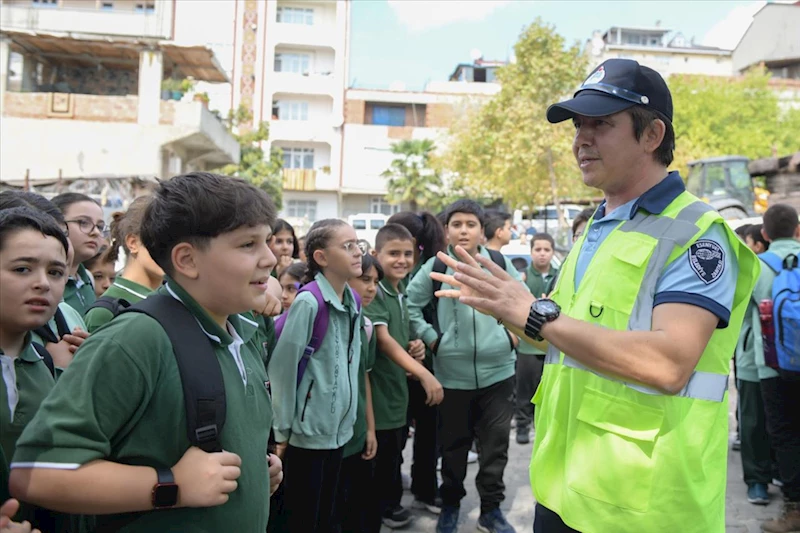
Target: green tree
730	116
506	148
265	173
411	177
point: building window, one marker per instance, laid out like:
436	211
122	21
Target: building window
298	158
107	6
147	7
45	3
302	208
296	15
379	205
289	110
383	115
296	63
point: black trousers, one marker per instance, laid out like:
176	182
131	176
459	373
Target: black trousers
529	374
356	498
755	451
546	521
425	420
781	398
310	484
388	484
486	414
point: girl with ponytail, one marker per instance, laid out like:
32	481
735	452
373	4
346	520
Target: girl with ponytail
428	233
141	274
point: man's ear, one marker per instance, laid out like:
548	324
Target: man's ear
184	260
654	135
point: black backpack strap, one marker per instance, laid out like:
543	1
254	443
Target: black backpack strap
114	305
62	329
61	323
45	355
201	374
431	311
498	258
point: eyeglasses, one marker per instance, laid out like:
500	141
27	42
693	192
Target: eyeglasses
87	226
352	248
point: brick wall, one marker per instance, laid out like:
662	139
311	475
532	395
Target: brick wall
354	111
86	107
439	115
401	133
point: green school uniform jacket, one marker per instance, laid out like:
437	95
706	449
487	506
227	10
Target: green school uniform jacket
79	292
389	382
121	400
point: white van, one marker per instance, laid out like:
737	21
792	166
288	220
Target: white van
367	225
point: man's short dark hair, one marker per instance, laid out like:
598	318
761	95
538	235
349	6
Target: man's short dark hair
197	207
543	237
495	220
470	207
642	117
780	222
22	218
392	232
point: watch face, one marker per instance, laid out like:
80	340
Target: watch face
546	307
166	495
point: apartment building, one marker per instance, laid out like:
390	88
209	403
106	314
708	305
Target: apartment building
376	119
661	49
291	70
81	93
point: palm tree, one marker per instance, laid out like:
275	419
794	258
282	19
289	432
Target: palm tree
411	179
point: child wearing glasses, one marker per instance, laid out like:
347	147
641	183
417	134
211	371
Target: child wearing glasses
85	227
315	415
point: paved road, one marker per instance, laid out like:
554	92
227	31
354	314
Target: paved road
741	516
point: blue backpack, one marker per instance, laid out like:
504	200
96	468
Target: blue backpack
785	310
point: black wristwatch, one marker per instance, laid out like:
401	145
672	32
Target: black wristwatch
165	491
542	312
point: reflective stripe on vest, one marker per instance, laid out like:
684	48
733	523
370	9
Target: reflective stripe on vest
669	234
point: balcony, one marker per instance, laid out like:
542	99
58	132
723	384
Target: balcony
314	130
126	23
289	82
321	35
299	179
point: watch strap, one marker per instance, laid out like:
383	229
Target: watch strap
165	476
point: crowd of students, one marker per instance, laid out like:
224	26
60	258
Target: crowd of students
323	357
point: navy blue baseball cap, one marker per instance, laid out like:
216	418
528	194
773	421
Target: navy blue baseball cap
616	85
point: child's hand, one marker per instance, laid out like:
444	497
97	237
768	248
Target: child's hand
416	349
371	448
61	351
7	510
284	262
280	449
273	306
275	472
433	389
206	479
75	339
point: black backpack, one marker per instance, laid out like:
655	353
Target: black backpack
48	335
430	313
201	375
115	305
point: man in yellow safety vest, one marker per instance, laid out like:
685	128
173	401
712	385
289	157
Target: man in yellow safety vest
631	413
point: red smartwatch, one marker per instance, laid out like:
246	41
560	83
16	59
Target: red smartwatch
165	491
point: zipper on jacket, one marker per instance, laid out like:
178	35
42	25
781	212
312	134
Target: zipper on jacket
305	405
475	349
747	337
777	316
349	380
510	340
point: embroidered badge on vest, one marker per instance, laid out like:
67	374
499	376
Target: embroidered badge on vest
707	259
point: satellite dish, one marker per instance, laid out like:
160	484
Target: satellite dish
475	54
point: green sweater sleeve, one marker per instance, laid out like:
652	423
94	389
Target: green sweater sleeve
283	363
420	294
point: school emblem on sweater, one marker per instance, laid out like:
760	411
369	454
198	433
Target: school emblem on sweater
707	259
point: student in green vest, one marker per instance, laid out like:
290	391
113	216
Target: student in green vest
110	432
356	493
540	278
397	354
85	229
314	418
141	274
632	410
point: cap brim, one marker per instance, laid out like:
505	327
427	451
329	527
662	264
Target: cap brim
588	103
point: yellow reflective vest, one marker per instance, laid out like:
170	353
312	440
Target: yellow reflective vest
616	457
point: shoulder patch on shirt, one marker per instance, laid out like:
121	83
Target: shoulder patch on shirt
707	259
